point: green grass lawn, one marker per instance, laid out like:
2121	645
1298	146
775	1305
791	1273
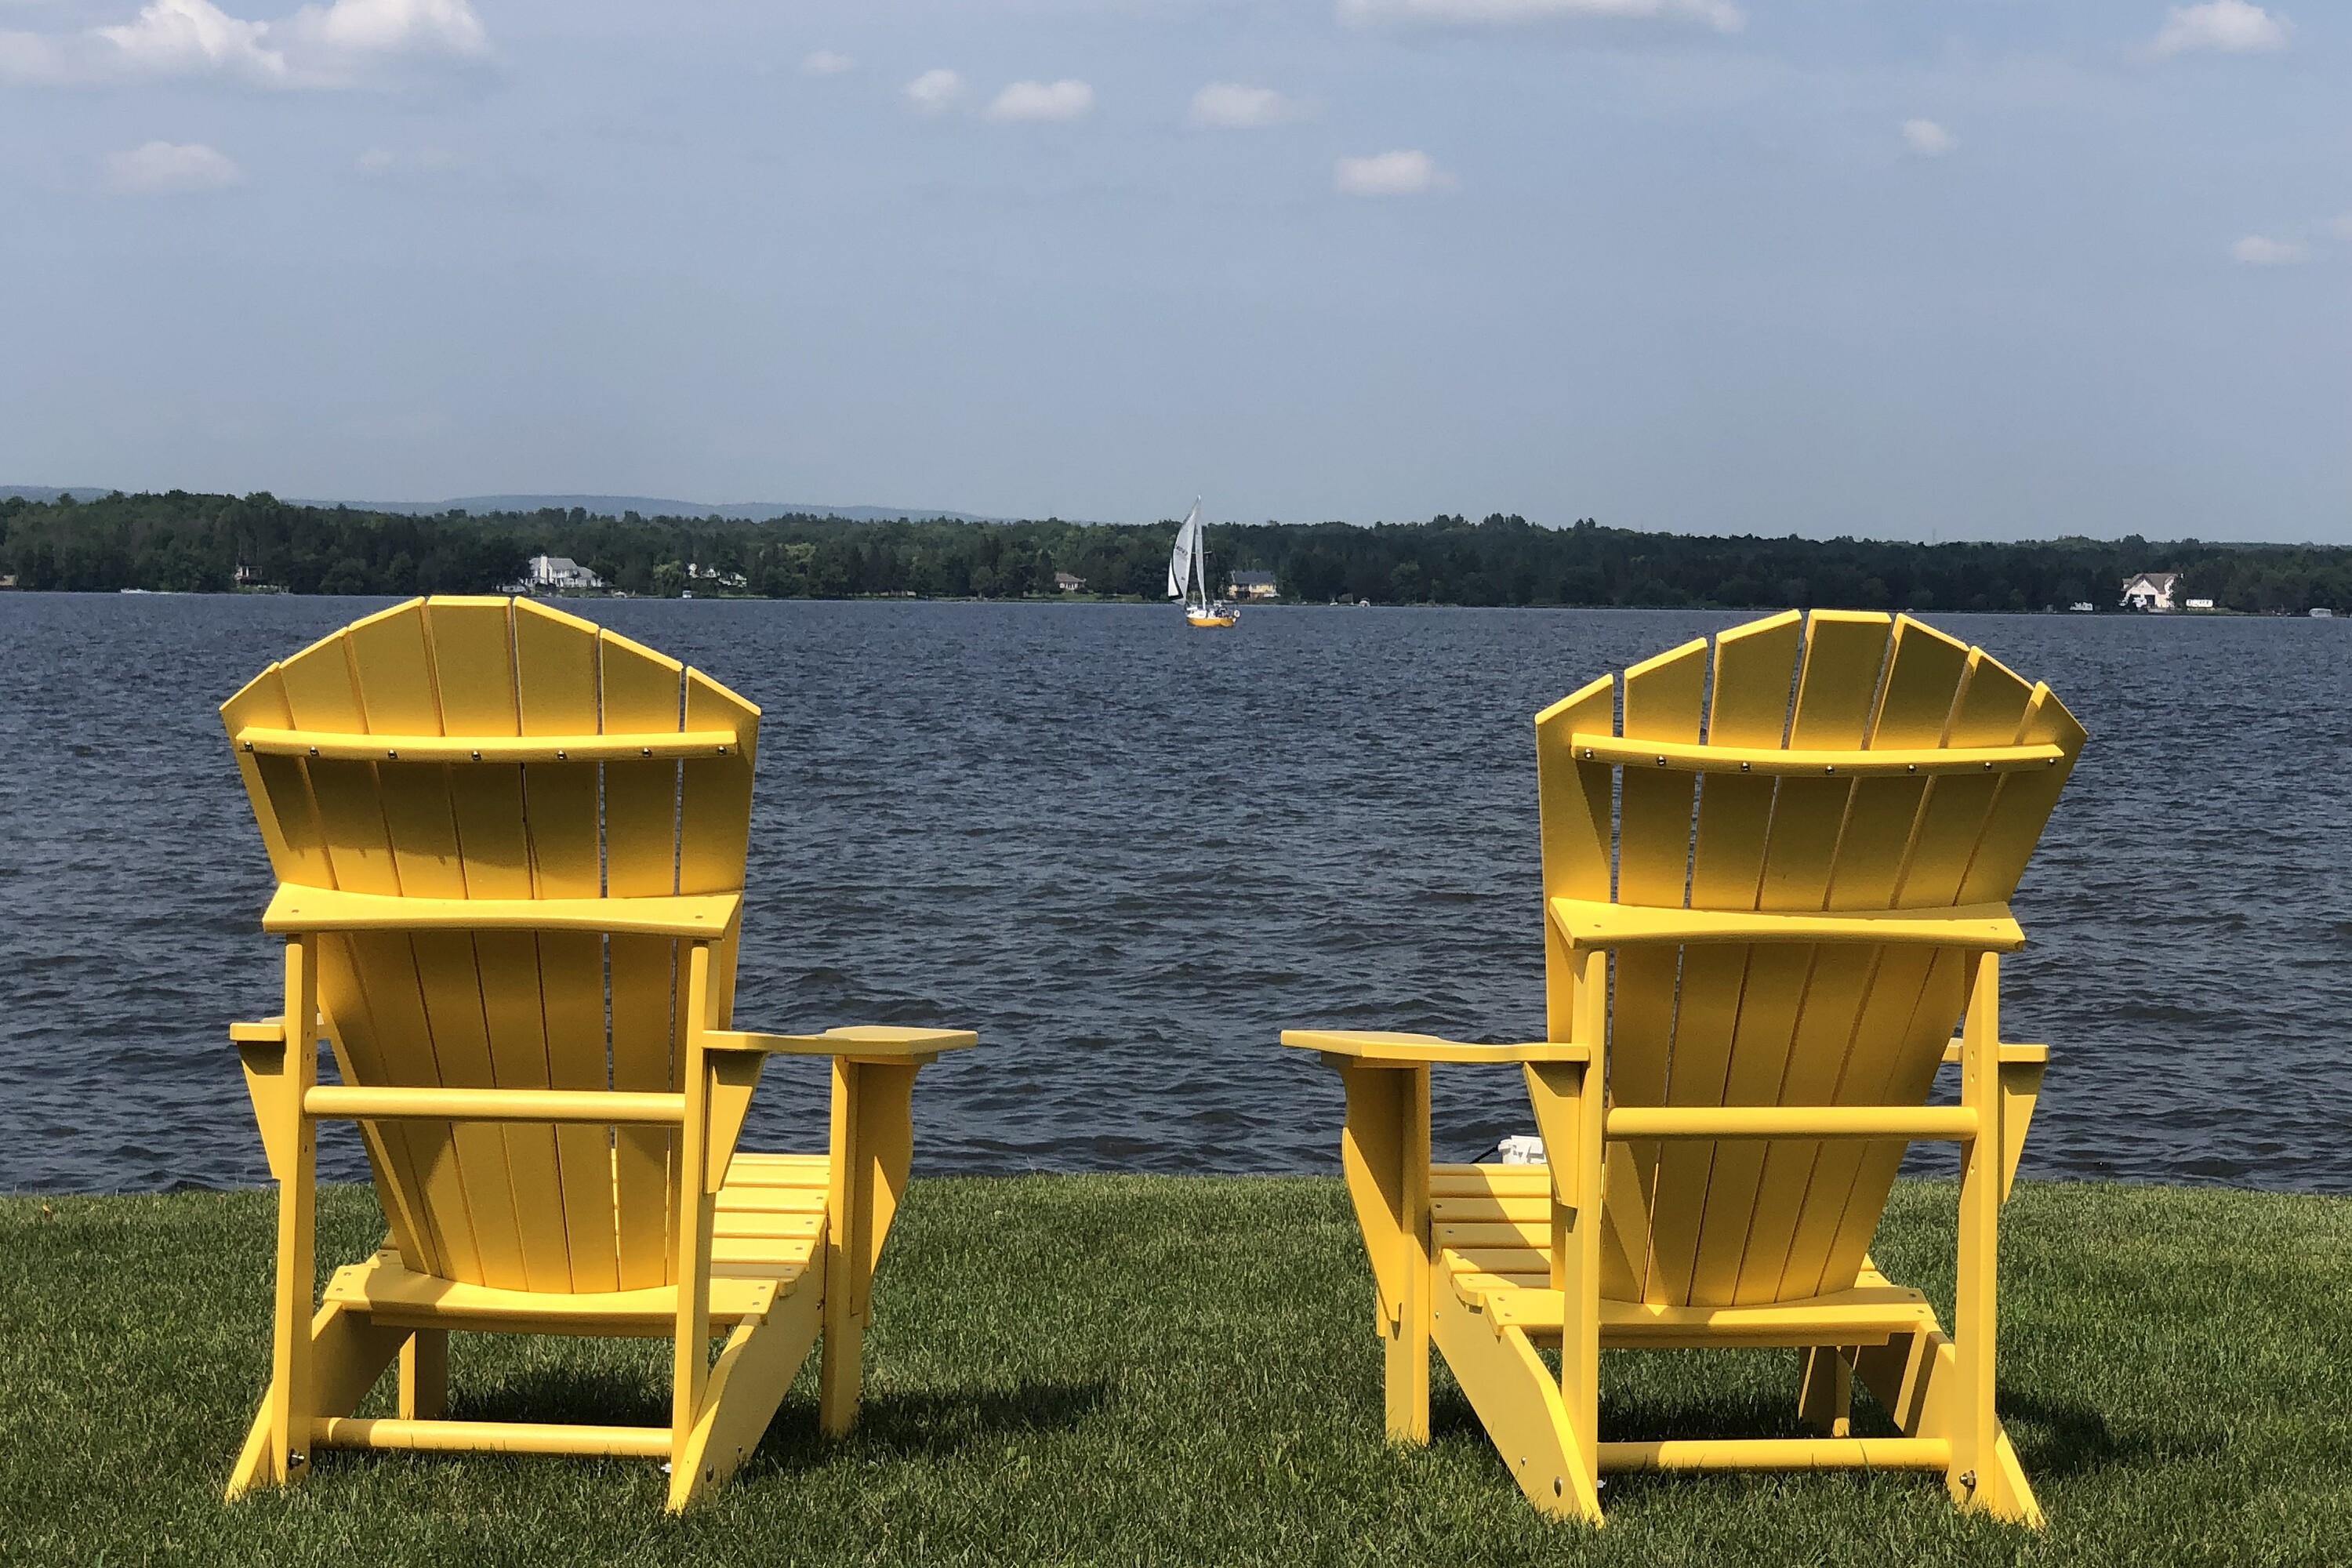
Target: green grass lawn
1182	1370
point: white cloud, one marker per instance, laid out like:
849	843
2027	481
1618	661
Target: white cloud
1720	15
2340	226
825	62
2260	250
162	168
1399	173
1230	106
2230	27
192	37
389	27
1044	100
934	91
1927	139
349	43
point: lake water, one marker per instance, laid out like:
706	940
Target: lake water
1127	854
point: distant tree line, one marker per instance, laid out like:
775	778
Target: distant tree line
209	544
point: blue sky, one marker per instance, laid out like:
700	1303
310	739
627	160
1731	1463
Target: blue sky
1995	269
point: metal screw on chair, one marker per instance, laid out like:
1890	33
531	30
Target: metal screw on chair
477	756
1968	1479
560	756
391	753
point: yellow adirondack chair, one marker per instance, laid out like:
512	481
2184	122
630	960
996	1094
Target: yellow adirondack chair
1808	892
510	853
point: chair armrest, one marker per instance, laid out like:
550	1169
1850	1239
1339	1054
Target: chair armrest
2011	1055
272	1031
298	909
859	1042
1376	1047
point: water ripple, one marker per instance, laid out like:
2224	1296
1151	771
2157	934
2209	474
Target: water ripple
1128	854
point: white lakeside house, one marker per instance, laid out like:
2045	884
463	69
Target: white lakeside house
2150	590
558	575
717	576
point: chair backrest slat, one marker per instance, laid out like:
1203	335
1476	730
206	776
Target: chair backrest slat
1662	703
1577	811
642	691
556	661
472	658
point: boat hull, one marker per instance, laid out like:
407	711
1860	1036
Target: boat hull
1210	620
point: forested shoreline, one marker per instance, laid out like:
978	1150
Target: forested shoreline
213	544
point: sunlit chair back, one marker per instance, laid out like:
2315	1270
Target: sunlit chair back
1839	762
473	749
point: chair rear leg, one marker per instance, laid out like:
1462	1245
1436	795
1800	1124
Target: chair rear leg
425	1375
347	1354
1917	1377
1825	1392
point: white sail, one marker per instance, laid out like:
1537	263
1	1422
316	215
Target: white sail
1188	550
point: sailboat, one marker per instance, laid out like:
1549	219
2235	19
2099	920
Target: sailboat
1188	576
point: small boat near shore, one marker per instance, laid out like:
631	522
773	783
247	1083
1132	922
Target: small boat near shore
1188	575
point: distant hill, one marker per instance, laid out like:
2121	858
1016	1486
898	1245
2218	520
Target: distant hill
51	492
595	506
655	506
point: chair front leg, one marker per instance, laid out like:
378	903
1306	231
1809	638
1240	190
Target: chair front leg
1976	1290
690	1359
291	1408
1571	1103
873	1147
1384	1151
